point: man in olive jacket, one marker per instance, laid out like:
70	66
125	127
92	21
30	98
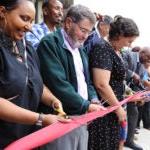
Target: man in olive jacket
64	67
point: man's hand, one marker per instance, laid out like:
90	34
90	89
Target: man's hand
139	99
95	101
136	78
95	107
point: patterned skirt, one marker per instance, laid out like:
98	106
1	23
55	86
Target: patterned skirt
104	133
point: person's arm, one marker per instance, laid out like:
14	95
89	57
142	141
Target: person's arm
9	112
49	99
101	80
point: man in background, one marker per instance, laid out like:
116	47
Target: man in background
136	64
52	17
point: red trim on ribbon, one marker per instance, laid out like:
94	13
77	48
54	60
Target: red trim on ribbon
54	131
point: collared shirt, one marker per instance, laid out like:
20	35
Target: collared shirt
82	86
38	32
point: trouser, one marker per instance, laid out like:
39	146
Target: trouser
74	140
132	116
144	115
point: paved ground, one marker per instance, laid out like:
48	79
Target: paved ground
143	139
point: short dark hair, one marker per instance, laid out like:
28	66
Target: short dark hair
80	12
10	4
121	26
45	3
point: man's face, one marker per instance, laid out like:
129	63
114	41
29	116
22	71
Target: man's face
104	29
55	11
144	57
79	32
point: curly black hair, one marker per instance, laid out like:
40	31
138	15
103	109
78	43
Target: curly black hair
121	26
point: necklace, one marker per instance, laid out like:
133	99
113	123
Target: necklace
16	52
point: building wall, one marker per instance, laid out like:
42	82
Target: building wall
38	6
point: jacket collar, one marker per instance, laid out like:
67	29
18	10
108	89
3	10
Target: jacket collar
59	37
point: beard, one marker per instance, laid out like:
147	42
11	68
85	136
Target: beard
74	43
73	39
77	44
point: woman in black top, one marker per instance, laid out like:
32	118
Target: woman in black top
108	75
21	86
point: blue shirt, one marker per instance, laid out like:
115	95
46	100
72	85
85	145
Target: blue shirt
38	32
145	76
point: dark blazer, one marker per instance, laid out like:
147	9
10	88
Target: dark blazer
92	40
132	63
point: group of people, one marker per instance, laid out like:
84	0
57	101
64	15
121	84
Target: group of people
70	63
137	79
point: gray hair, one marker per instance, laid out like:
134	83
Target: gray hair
80	12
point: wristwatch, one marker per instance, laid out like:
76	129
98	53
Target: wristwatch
39	121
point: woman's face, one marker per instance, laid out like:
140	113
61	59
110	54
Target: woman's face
19	20
124	41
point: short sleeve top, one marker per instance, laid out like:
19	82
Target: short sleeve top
21	83
104	57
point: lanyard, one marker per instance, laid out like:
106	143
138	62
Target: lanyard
26	62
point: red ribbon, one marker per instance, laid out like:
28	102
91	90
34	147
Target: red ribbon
54	131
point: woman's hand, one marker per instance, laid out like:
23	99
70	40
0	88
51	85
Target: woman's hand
50	119
121	113
56	104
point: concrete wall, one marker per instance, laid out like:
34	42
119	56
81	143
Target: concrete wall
38	6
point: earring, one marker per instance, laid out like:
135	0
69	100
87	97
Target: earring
1	16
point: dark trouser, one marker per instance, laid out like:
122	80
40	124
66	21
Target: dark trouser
132	115
144	115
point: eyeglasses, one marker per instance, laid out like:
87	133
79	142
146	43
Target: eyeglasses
83	30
